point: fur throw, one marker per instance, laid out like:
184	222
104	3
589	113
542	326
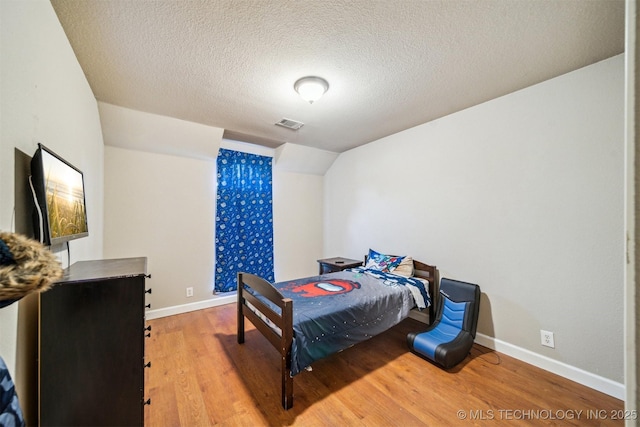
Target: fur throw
33	268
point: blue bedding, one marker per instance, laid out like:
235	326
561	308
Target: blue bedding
335	311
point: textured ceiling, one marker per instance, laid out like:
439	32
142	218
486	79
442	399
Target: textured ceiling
390	64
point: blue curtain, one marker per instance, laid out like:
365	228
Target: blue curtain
244	218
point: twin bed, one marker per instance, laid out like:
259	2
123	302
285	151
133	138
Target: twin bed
309	319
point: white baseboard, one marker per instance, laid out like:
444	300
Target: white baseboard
572	373
185	308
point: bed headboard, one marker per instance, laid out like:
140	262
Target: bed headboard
431	274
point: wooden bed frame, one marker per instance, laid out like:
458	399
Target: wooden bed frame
284	320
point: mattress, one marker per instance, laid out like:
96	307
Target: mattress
334	311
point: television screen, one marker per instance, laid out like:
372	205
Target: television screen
59	191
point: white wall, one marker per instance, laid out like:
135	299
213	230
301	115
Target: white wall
632	154
160	199
137	130
297	223
45	98
522	195
162	207
298	212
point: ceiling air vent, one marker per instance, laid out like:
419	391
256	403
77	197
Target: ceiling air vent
290	124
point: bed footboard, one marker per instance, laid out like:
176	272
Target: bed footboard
249	287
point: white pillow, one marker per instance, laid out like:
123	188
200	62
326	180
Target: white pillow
405	268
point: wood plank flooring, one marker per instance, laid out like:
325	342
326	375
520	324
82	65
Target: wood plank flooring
201	376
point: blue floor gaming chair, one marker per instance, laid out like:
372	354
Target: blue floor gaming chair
448	340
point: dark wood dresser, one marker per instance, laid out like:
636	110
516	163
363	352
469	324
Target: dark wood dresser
91	345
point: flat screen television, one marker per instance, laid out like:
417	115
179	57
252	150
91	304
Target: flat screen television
58	187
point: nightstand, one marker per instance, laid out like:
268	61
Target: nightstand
331	265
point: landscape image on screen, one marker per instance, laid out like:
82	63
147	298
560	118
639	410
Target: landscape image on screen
65	198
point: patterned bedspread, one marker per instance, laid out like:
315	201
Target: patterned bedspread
335	311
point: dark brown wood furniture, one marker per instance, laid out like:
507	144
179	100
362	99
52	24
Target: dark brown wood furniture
282	318
91	345
331	265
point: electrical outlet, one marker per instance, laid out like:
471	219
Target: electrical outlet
189	292
546	338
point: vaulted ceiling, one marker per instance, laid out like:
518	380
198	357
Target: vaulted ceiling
391	64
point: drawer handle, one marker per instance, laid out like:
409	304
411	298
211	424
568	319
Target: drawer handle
148	402
147	365
148	328
148	291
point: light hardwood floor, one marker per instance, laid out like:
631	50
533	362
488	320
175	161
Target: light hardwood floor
201	376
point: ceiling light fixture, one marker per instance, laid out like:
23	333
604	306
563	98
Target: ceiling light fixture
311	88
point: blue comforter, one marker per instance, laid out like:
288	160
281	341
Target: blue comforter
337	310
